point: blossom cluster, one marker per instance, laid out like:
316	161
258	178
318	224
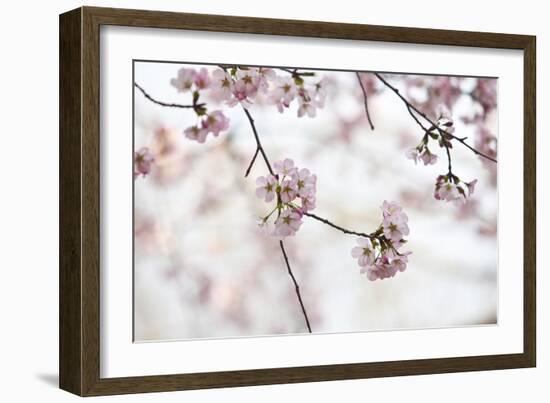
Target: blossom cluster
451	188
379	254
293	191
239	85
448	187
143	162
195	81
246	85
441	132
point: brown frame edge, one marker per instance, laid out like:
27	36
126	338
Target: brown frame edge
79	201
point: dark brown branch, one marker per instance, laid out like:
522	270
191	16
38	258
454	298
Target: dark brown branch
365	100
411	108
260	150
296	287
449	159
331	224
259	147
168	105
251	162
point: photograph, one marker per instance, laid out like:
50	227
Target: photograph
285	200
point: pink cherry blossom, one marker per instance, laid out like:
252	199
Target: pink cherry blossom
427	157
447	191
380	270
294	192
266	187
202	79
215	123
288	191
307	104
288	223
400	261
143	162
379	256
283	93
304	182
308	203
196	133
285	167
184	80
265	77
240	95
222	85
364	253
471	186
320	93
485	93
451	188
413	154
391	209
395	227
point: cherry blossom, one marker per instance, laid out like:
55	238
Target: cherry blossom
196	133
391	208
222	85
451	188
304	182
266	187
427	157
386	268
285	167
471	186
287	191
143	162
283	93
308	203
288	223
184	80
240	92
395	227
202	79
378	254
364	253
485	93
307	104
215	122
294	191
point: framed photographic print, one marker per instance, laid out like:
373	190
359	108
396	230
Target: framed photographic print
249	201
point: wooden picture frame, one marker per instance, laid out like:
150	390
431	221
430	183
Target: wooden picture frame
79	346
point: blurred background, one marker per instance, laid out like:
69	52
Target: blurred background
202	269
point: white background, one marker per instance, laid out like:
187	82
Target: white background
29	206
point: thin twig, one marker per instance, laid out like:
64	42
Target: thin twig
259	147
411	108
251	162
331	224
168	105
365	99
449	159
296	287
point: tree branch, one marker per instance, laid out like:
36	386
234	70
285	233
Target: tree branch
259	147
449	159
342	229
411	108
296	287
168	105
365	99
